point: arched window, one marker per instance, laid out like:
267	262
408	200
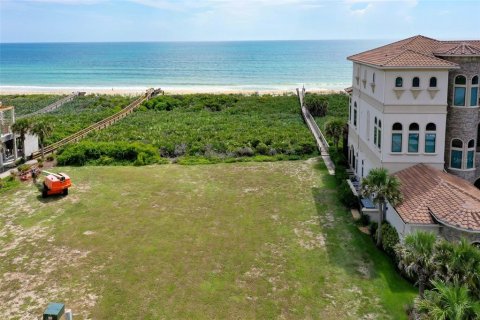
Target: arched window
398	82
355	113
433	82
430	137
456	154
474	92
413	134
460	90
470	154
416	82
397	137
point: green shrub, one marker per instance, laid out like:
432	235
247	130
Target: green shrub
390	239
120	152
316	104
346	195
262	148
23	168
51	157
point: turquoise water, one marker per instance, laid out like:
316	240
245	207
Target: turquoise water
248	65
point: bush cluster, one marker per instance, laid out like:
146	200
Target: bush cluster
345	194
214	127
317	104
108	153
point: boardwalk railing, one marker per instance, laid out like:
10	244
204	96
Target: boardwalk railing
53	106
322	143
102	124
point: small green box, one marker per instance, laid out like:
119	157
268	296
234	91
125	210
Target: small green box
54	311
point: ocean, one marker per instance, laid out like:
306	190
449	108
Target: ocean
242	65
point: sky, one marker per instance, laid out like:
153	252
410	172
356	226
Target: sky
225	20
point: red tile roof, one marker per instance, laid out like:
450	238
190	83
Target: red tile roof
418	51
431	195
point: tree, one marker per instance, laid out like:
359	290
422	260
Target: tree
417	257
382	188
22	127
448	302
42	130
460	262
334	128
316	104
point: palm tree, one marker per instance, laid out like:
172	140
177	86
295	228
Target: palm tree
42	130
448	302
417	257
334	128
22	127
382	188
459	261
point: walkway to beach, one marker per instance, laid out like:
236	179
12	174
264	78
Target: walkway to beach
54	106
322	143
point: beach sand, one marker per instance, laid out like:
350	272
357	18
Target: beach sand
140	90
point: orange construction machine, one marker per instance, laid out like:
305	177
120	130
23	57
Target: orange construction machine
55	183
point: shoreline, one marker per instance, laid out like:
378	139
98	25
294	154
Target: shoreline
27	90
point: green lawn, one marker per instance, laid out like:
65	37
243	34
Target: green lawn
241	240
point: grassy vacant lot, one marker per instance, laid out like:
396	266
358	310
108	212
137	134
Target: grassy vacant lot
207	126
243	241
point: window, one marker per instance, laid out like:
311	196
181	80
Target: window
373	77
433	82
398	82
456	154
350	111
416	82
474	92
379	134
368	125
470	154
397	137
413	138
355	114
460	90
430	138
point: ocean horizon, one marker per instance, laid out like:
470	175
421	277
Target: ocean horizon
198	66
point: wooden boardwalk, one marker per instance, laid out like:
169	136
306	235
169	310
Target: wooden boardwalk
53	106
102	124
322	143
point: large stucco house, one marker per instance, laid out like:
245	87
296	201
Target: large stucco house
414	110
10	146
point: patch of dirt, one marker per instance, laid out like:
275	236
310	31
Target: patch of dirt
307	238
32	262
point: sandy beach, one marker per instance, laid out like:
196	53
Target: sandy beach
141	90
